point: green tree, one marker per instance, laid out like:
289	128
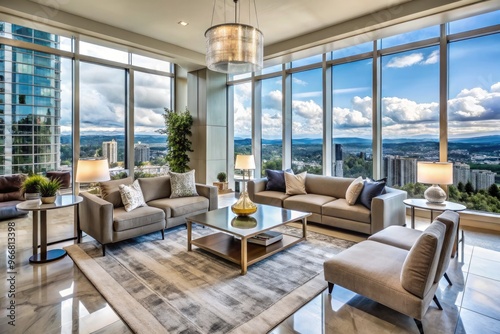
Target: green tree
494	191
461	187
469	189
178	130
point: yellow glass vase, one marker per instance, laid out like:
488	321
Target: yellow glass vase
244	206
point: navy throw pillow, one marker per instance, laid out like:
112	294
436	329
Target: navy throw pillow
371	189
276	180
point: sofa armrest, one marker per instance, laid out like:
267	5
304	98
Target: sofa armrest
388	209
255	186
209	192
96	218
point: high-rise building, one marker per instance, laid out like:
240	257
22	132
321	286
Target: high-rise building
141	152
30	106
461	173
110	151
338	167
482	179
400	171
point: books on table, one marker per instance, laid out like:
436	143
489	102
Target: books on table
266	238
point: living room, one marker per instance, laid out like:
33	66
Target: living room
404	81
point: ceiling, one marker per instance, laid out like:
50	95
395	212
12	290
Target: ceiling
289	26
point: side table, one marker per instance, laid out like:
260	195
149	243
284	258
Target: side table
40	215
423	204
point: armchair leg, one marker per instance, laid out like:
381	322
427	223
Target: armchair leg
437	302
419	325
79	236
330	287
103	250
162	234
448	279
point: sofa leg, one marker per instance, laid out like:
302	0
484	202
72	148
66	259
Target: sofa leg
419	325
79	236
162	234
330	287
103	250
448	279
437	302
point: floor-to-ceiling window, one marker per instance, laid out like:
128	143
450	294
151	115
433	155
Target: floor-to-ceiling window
272	124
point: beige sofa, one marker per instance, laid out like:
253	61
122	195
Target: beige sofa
106	220
326	201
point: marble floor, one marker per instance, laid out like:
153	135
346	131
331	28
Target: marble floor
57	298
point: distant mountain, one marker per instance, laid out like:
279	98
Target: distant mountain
477	140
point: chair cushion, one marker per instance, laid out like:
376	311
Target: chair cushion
295	184
145	215
276	179
274	198
307	203
155	187
341	209
371	189
397	236
131	195
354	190
10	187
176	207
450	219
110	191
419	268
182	184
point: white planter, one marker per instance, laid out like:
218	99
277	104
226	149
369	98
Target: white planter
29	196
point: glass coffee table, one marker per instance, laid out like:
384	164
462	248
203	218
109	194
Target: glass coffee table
231	243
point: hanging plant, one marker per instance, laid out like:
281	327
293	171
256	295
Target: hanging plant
178	130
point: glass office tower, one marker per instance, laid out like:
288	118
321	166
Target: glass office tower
30	89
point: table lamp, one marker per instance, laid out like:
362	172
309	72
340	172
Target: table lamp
244	206
92	171
435	173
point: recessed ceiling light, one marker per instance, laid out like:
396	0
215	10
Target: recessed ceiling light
183	23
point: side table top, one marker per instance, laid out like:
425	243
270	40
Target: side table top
424	204
61	202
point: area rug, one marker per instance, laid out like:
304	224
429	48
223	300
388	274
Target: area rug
157	286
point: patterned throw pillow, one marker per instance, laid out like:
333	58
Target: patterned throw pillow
131	196
183	184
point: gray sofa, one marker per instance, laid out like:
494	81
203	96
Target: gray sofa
106	220
326	201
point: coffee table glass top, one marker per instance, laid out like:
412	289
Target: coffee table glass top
266	217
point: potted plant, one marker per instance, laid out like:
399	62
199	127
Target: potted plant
30	186
48	190
222	184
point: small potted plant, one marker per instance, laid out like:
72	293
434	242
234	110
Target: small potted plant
222	184
30	186
48	190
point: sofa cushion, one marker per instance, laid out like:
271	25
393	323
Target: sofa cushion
8	210
182	184
10	187
397	236
131	196
110	191
155	187
276	179
354	190
419	267
308	203
327	185
370	190
274	198
341	209
295	184
176	207
145	215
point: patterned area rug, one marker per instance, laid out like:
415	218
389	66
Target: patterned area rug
157	286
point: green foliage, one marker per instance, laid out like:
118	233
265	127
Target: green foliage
222	177
178	129
355	166
49	188
461	187
120	175
494	191
30	185
469	189
141	174
275	164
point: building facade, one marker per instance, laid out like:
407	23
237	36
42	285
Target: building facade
110	151
399	170
141	152
482	179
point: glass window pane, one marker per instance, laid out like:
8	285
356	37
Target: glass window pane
409	37
242	119
233	77
272	69
102	114
152	96
410	113
353	50
352	154
307	122
474	22
151	63
272	122
474	122
308	61
103	52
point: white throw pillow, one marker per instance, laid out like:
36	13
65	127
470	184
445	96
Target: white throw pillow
355	188
295	184
183	184
131	195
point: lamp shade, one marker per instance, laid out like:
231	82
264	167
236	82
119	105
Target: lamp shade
244	162
435	172
88	171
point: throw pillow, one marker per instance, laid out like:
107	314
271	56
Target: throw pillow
183	184
110	191
371	189
131	196
295	184
354	190
276	179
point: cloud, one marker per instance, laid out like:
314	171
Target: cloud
433	58
350	90
406	61
475	104
272	100
299	82
307	118
307	95
359	115
401	110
